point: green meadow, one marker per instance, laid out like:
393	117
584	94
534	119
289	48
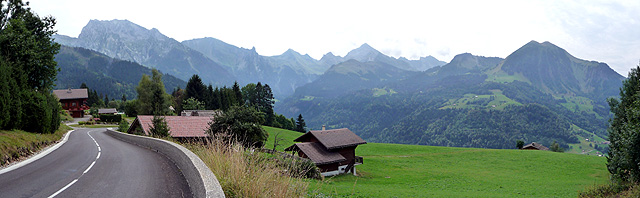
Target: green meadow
395	170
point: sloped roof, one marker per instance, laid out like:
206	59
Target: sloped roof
179	126
205	113
63	94
317	153
334	138
535	146
100	111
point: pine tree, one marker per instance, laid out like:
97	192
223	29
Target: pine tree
238	94
300	125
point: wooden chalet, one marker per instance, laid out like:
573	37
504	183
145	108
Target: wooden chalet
73	100
333	151
180	127
535	146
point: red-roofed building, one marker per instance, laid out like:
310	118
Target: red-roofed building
73	100
180	127
333	151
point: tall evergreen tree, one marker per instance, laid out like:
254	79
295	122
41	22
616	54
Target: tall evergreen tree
238	94
301	126
195	88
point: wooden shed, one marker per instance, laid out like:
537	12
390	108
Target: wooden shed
333	151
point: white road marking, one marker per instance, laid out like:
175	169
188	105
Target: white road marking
85	171
64	188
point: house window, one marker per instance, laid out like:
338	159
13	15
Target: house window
73	104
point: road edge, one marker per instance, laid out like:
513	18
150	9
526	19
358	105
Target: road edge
41	154
201	180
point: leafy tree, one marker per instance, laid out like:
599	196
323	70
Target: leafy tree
159	127
28	69
519	144
300	125
623	161
240	123
178	97
152	97
130	108
192	104
555	147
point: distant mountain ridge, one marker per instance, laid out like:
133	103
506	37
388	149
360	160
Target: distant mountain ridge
106	75
125	40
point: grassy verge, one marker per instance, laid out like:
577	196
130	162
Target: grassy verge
243	173
612	190
16	144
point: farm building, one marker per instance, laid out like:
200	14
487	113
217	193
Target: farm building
333	151
180	127
73	100
535	146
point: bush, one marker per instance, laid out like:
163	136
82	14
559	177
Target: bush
124	126
40	112
110	118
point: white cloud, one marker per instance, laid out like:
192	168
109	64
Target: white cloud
605	31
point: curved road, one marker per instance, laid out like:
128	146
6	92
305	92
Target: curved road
93	164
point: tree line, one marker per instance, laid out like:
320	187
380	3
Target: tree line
27	70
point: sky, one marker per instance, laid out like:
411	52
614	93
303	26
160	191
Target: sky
599	30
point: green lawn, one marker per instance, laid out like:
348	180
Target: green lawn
397	170
393	170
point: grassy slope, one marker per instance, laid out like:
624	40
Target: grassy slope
15	143
395	170
287	135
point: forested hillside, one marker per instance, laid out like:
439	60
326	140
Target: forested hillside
108	76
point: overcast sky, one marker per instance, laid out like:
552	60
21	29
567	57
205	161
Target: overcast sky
605	31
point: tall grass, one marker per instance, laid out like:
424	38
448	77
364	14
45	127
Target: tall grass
245	173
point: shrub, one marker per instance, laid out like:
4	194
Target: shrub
110	118
124	126
40	112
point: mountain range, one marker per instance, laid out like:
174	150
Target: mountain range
538	93
217	62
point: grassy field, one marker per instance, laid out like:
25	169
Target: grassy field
395	170
15	144
286	135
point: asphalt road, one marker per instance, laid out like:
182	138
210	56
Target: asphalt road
93	164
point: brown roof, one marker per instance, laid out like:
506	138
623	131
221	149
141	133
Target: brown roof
317	153
334	138
535	146
71	93
101	111
179	126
